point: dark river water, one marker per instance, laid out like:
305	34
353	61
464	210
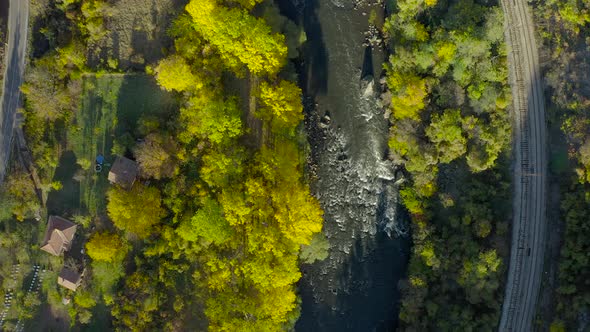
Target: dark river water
355	288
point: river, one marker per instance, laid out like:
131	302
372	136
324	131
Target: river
355	288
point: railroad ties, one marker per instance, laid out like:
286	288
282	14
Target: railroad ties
525	169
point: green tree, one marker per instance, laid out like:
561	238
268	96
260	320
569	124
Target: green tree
557	326
137	303
85	316
214	119
479	276
446	133
19	197
317	250
208	224
105	276
220	168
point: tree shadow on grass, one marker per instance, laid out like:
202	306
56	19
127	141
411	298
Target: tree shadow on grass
140	95
63	202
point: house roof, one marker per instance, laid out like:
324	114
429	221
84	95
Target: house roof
59	235
123	172
69	279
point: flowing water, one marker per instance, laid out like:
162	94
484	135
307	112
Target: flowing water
355	288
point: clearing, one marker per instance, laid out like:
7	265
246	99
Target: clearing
110	107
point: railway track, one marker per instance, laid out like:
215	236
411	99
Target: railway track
529	224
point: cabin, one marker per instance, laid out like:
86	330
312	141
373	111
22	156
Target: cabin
69	279
59	235
123	173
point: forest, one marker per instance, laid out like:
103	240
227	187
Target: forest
564	27
451	131
213	231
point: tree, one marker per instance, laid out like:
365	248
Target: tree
409	94
208	224
258	310
211	118
29	306
479	276
174	73
19	197
105	277
240	38
296	211
48	94
282	104
106	247
85	316
82	220
138	302
557	326
85	300
584	159
317	250
220	168
446	133
136	211
156	156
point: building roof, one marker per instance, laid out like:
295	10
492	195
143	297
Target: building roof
59	235
69	279
123	172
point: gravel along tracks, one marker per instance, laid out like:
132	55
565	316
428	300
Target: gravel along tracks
530	164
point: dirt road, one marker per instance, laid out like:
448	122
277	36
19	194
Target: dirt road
18	21
529	224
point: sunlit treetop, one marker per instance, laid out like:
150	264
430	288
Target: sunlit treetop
240	38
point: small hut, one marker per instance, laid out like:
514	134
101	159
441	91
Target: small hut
59	235
69	279
123	173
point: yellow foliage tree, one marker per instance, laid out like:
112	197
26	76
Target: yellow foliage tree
409	93
241	39
106	247
282	104
298	213
136	211
174	73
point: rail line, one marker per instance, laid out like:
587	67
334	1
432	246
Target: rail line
528	229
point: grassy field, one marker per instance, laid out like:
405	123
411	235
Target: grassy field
111	105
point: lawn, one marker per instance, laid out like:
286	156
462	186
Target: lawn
110	108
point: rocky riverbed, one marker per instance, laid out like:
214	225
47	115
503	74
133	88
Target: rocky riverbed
355	288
